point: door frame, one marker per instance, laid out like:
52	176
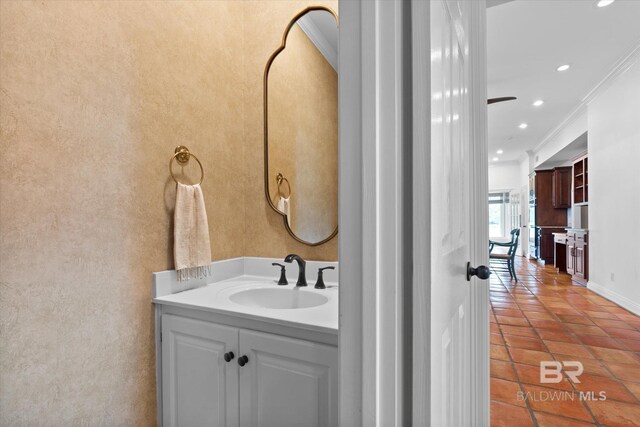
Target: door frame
372	242
385	241
479	249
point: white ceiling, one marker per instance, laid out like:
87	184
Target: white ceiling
566	156
527	40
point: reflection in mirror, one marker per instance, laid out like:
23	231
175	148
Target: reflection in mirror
301	127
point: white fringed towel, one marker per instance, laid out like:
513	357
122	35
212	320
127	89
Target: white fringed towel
191	247
284	206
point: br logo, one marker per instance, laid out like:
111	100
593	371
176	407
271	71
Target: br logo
551	371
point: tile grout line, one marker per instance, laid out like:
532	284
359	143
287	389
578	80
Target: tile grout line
540	291
553	314
526	401
545	346
588	350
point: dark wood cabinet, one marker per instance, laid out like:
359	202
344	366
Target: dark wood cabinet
549	219
560	252
547	243
579	271
582	257
561	187
581	180
571	260
578	256
546	214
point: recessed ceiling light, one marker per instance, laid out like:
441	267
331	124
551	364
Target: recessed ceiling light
523	125
604	3
564	67
538	103
495	159
499	151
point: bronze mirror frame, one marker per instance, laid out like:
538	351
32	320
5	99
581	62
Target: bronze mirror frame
273	56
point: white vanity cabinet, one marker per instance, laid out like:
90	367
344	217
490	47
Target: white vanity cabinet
285	381
198	387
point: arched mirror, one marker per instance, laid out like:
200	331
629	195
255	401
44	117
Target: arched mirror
301	126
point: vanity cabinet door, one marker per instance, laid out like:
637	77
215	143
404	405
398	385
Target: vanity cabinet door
198	387
287	382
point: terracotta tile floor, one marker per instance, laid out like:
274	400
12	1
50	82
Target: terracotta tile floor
546	317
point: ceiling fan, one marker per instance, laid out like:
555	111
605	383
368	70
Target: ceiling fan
502	99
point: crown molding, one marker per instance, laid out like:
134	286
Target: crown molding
623	64
570	118
319	40
626	61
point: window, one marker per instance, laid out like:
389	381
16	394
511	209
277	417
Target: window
498	214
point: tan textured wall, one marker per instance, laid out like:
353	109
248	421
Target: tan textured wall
303	135
94	96
265	234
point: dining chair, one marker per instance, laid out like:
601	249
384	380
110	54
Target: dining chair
505	261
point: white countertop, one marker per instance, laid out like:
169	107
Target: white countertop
215	297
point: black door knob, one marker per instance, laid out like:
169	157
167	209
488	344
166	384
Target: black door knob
229	356
482	271
243	360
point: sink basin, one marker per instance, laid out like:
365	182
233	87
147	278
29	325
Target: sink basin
278	298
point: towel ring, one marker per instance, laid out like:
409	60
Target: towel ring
182	155
279	179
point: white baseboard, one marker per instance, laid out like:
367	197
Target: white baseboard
621	300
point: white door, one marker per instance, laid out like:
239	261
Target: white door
199	387
287	382
455	139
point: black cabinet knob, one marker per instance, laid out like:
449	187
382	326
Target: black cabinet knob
229	356
482	271
243	360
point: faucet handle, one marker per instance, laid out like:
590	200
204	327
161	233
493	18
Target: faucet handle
320	283
283	274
